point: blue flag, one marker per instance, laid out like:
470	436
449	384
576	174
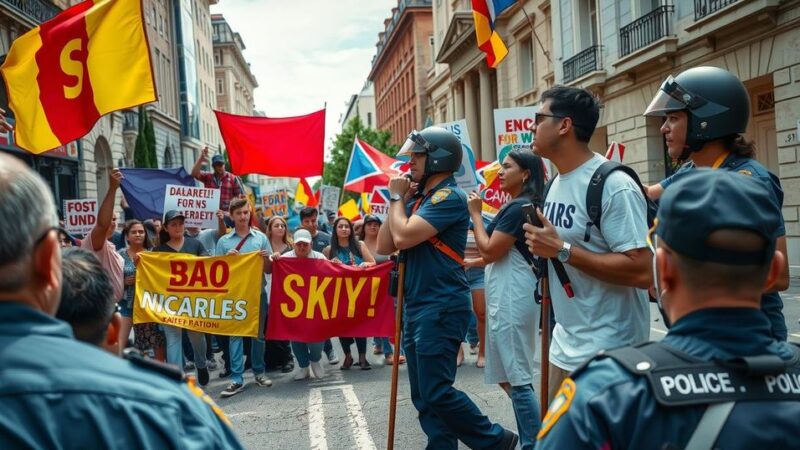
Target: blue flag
144	189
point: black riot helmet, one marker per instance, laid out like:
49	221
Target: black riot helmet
442	147
716	101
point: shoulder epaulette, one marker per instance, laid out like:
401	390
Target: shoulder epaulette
170	371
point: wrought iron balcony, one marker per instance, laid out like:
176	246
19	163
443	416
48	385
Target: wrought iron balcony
645	30
36	10
584	62
703	8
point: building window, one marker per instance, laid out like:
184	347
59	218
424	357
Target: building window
217	58
369	120
586	24
526	59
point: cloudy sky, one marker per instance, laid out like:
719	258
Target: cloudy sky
305	53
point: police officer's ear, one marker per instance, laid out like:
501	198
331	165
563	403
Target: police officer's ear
775	270
46	272
111	342
666	271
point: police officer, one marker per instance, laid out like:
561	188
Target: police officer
430	229
56	392
706	110
719	379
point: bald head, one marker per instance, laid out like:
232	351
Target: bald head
27	210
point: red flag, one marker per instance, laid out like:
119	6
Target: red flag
278	147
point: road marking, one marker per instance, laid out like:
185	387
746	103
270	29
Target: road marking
246	413
316	418
316	421
797	335
357	420
657	330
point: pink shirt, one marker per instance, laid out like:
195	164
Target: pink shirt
111	261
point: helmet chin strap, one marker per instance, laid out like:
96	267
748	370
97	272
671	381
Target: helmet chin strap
692	145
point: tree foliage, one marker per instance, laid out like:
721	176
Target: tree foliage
150	135
141	158
336	167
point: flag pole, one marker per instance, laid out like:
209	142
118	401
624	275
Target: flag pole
398	327
536	36
545	341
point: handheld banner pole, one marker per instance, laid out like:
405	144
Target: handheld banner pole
398	324
545	341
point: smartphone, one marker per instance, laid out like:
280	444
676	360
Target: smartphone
529	213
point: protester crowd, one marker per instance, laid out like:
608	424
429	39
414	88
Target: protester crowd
714	259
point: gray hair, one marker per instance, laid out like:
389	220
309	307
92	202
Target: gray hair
27	209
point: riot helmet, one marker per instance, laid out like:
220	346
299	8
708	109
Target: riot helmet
442	147
716	102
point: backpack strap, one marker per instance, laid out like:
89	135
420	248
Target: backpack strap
707	430
594	193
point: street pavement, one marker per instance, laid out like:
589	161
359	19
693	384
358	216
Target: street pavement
349	409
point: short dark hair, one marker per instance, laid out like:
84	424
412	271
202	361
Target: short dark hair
705	276
87	297
579	105
308	211
236	204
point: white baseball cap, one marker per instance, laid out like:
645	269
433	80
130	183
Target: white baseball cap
302	235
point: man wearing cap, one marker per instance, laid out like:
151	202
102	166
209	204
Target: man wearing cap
244	239
429	228
229	185
706	111
719	379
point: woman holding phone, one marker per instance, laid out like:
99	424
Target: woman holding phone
512	315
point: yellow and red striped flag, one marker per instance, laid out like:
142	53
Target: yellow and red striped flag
484	13
350	210
63	75
304	194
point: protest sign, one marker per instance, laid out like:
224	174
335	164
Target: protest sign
512	128
198	205
493	197
312	300
465	177
276	203
80	215
330	198
200	293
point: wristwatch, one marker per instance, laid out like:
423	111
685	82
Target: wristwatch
395	197
563	253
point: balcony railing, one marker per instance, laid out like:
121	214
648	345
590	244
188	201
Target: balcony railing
645	30
584	62
703	8
37	10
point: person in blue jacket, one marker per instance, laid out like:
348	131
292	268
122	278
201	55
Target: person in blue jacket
429	227
706	111
719	379
57	392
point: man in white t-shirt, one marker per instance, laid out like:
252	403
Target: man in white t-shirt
611	271
302	247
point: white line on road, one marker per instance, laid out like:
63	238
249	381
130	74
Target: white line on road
316	418
316	421
357	420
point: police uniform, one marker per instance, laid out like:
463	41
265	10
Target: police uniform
437	312
719	367
771	302
56	392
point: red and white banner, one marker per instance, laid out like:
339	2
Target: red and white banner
80	215
313	299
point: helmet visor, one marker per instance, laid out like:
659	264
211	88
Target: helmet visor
415	143
673	97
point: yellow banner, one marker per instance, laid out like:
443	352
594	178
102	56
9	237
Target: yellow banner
218	295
